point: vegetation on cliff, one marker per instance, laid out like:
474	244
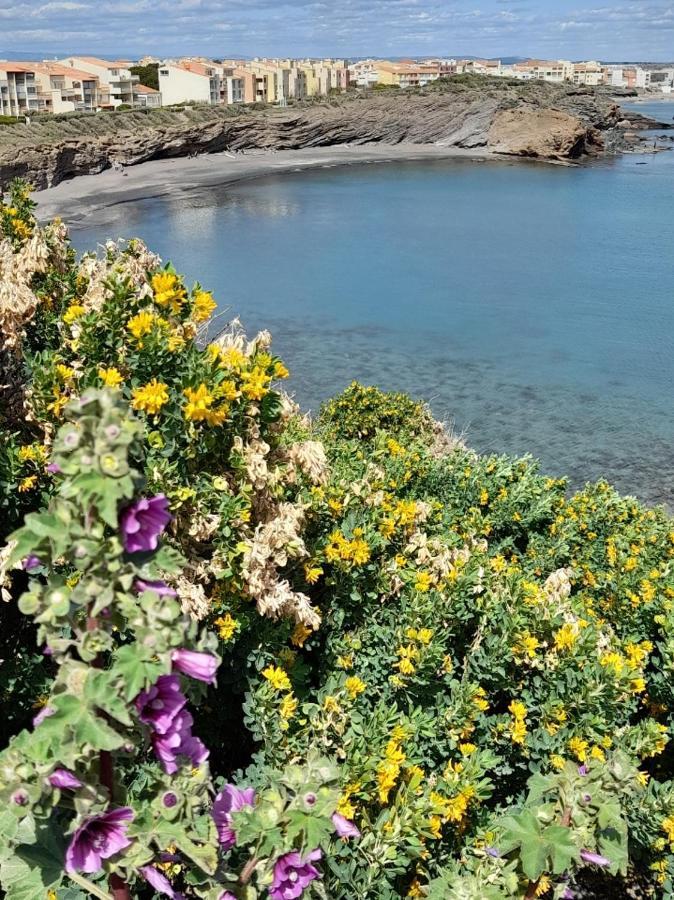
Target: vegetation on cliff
554	121
438	675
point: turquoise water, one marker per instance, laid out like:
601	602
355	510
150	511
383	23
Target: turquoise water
530	305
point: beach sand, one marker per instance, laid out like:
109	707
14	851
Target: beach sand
82	197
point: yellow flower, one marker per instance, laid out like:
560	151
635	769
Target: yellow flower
300	633
74	312
330	704
423	582
280	371
199	406
312	574
526	646
557	762
150	397
175	342
415	889
255	384
345	662
579	748
168	292
231	357
226	626
668	828
27	484
141	324
277	677
288	706
110	377
204	304
354	686
65	373
467	748
543	886
484	497
425	635
517	709
612	660
566	636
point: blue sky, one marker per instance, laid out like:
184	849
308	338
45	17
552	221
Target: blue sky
574	29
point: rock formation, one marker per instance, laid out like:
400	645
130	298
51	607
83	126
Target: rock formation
557	122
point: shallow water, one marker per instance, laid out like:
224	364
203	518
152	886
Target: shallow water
531	305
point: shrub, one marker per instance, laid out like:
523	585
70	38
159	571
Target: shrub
483	661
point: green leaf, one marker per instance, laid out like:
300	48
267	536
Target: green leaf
137	668
34	868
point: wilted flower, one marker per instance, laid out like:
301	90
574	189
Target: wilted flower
344	827
44	713
142	522
62	778
159	587
292	873
159	705
595	859
159	882
202	666
230	799
98	838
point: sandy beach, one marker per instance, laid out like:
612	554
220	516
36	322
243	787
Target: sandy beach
87	196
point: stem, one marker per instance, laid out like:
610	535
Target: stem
89	886
248	870
106	775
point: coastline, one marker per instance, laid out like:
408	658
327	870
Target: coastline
87	196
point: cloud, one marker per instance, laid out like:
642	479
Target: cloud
569	28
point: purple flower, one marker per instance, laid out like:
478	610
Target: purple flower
160	704
142	522
20	797
493	851
177	741
30	562
54	468
230	800
159	587
98	838
596	859
582	770
344	827
202	666
62	778
568	894
169	799
292	873
159	882
226	895
44	713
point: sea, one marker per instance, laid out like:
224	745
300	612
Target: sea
531	305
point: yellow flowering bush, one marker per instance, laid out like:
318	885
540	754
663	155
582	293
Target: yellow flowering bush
476	649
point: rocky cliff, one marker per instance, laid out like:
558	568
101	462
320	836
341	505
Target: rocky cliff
534	120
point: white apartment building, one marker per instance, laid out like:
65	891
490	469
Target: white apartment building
117	83
365	73
18	89
189	81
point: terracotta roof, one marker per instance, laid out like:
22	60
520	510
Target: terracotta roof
59	69
195	68
7	66
104	63
144	89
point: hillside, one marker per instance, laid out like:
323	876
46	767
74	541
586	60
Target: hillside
501	116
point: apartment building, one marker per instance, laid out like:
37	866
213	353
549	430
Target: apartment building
18	89
189	81
117	84
590	73
147	97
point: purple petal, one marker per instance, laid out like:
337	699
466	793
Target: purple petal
201	666
44	713
344	827
62	778
159	882
98	838
54	468
159	587
230	799
31	562
595	859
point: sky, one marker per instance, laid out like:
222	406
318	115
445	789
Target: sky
609	30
